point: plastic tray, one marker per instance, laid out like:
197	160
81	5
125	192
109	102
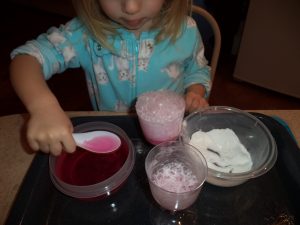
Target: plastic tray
268	200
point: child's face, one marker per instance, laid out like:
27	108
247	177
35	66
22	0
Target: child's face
135	15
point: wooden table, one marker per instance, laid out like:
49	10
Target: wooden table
15	156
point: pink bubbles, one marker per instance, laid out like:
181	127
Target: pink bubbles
175	177
160	115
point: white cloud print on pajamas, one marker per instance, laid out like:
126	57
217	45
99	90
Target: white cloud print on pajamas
201	60
173	70
100	73
123	68
57	39
145	52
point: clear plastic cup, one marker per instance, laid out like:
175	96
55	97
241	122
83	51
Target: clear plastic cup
160	115
176	172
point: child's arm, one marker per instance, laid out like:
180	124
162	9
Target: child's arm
194	97
49	128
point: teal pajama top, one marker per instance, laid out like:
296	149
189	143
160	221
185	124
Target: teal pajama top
138	65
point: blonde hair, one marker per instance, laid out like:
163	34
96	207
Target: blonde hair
168	23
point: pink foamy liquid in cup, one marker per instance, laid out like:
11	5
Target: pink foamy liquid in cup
176	172
160	115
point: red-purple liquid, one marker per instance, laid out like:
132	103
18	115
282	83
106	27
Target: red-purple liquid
86	168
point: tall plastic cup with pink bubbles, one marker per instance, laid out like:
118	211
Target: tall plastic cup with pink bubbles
160	115
176	172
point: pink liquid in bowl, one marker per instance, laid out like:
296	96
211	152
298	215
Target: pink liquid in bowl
102	144
86	168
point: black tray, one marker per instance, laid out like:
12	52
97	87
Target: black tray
268	200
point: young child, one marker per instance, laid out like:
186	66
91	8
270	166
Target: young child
125	47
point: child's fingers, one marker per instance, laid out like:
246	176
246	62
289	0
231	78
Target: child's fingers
44	147
56	148
34	145
69	144
193	104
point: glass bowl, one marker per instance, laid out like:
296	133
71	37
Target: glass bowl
249	131
87	175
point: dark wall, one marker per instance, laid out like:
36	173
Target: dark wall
230	15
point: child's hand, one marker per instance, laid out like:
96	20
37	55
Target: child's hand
194	98
50	131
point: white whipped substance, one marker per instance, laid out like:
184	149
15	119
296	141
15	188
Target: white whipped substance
222	150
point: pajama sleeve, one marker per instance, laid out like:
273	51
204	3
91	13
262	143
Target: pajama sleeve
55	49
197	70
